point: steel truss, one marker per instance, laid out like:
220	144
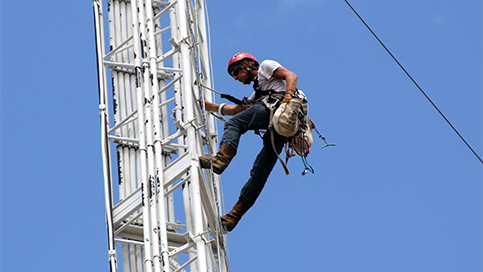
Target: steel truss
167	215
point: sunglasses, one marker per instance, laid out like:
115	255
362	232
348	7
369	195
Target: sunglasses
235	71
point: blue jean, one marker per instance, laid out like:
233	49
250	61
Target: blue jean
255	117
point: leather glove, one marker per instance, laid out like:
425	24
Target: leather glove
287	98
288	95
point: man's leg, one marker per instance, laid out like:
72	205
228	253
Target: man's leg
261	169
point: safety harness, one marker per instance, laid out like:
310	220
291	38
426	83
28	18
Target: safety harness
287	119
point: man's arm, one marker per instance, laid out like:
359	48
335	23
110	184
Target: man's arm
227	109
290	81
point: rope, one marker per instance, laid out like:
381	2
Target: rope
307	166
420	89
272	138
304	146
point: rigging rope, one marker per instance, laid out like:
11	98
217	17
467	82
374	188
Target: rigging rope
417	85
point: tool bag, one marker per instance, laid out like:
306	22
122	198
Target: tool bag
291	120
285	119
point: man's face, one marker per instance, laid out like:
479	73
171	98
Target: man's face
241	74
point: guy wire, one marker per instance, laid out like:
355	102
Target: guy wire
415	83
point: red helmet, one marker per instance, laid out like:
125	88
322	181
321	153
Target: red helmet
237	58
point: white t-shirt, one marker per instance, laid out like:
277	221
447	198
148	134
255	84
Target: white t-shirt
266	80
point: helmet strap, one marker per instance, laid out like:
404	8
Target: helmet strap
249	70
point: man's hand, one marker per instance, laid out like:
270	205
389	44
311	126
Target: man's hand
288	95
209	106
287	98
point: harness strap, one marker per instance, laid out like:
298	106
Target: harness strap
289	150
272	139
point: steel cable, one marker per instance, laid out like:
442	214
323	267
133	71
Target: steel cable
415	83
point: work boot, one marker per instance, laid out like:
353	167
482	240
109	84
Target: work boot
230	220
220	160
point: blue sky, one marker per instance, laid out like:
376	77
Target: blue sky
399	192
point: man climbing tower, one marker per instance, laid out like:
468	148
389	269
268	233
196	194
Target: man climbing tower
273	84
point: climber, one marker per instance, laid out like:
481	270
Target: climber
272	84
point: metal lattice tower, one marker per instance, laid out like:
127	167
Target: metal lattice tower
167	215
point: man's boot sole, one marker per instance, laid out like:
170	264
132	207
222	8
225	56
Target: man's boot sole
206	164
226	226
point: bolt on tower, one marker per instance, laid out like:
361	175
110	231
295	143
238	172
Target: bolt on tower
162	209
